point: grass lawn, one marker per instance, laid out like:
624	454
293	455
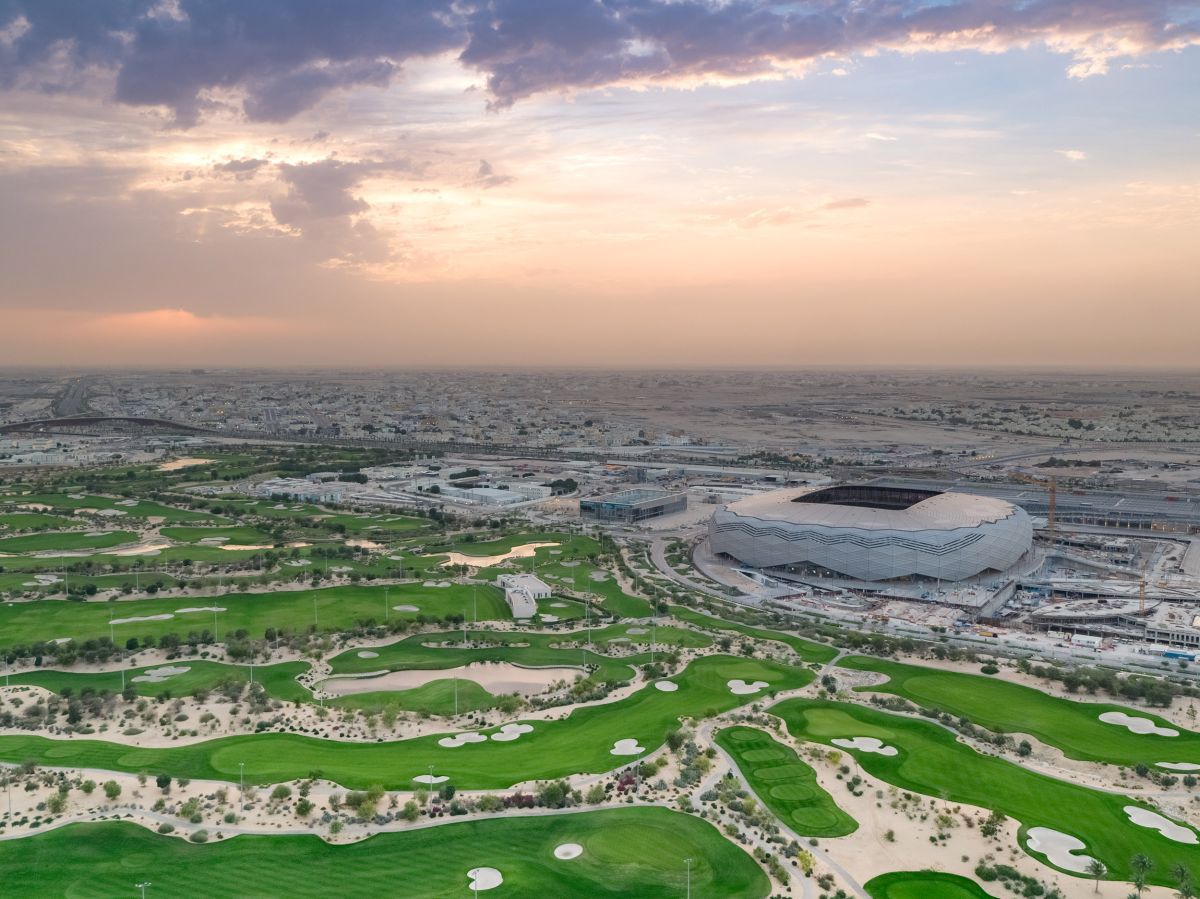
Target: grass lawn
278	680
785	784
1073	727
930	760
237	534
69	502
580	743
64	541
808	650
27	521
626	852
924	885
434	698
334	609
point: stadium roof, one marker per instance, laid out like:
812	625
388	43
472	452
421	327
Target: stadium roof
940	511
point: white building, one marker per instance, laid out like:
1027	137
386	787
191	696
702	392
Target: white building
522	591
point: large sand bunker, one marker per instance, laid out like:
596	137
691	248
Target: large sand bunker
1060	848
1137	725
627	747
667	686
1143	817
1179	766
137	620
430	780
484	879
524	551
739	687
495	677
182	463
865	744
510	732
462	740
159	675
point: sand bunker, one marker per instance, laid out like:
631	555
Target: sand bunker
1060	849
365	544
495	677
1179	766
126	502
42	580
182	463
396	558
559	605
510	732
405	607
741	688
549	619
1137	725
627	747
298	563
619	640
524	551
158	675
667	686
461	740
35	507
143	549
201	609
636	630
367	654
436	584
568	851
61	640
430	779
484	879
599	575
1143	817
865	744
164	617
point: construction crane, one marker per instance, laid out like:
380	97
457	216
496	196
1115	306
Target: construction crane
1051	485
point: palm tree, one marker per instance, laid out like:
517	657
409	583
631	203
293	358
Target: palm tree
1097	870
1183	877
1141	866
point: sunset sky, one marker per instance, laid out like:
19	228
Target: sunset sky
626	182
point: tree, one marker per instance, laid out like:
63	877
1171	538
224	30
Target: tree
1141	866
1183	876
164	782
1097	870
112	790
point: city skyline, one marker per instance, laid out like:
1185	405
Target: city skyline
629	183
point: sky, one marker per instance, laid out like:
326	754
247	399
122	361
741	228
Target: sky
637	183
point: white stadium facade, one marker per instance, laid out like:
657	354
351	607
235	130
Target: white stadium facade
870	533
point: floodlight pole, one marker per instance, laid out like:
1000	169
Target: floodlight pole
242	777
142	886
386	607
688	861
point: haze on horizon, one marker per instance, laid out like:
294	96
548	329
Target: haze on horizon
627	183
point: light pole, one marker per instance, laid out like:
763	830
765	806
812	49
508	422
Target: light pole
431	778
142	886
688	862
386	607
242	777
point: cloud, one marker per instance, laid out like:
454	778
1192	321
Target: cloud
848	203
240	169
278	58
487	178
1072	155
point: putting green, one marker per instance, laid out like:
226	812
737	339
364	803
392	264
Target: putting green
784	784
1073	727
924	885
626	852
930	760
580	743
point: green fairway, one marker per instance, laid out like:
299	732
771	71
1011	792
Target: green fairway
808	650
330	608
579	743
785	784
626	852
439	697
924	885
278	680
69	502
64	541
28	521
1073	727
931	761
236	534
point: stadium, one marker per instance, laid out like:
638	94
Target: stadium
873	533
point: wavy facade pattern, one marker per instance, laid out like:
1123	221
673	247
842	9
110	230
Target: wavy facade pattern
950	536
